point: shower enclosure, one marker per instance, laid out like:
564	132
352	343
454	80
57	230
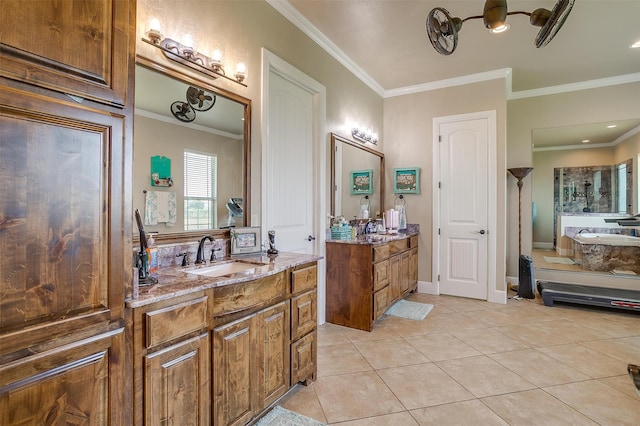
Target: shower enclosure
593	189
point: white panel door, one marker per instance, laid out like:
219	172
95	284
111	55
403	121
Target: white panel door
289	188
463	242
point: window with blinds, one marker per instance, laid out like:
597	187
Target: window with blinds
200	191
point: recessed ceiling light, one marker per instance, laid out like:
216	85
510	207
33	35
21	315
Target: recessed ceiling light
586	141
611	126
635	45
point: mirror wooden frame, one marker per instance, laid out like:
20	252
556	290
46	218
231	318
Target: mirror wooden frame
190	236
335	139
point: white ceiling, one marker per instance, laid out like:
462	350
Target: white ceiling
385	43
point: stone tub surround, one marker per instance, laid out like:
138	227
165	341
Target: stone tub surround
176	281
605	258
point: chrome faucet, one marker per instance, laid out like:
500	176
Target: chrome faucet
583	230
200	255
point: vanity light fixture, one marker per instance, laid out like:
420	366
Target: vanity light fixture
365	136
185	54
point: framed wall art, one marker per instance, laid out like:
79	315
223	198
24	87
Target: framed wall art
406	180
362	182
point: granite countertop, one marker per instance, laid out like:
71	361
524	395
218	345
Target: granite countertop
375	238
177	280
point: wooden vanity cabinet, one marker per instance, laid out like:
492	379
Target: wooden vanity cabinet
223	355
364	279
259	352
251	364
304	320
172	361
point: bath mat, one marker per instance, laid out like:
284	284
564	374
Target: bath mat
279	416
562	260
410	310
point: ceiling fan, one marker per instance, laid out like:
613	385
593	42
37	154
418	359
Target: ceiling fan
443	29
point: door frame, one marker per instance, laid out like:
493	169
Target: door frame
275	64
492	205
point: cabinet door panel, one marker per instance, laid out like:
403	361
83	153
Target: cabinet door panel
177	384
69	386
273	353
404	272
234	366
303	314
61	169
380	302
304	358
79	47
395	278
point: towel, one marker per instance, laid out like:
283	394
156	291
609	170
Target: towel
160	207
402	221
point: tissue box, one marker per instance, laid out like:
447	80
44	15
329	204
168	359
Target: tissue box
341	232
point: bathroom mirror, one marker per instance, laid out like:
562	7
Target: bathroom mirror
204	133
351	160
581	182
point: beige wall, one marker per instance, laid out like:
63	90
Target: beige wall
408	127
618	102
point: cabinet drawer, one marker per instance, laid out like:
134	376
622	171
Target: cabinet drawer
238	297
176	320
304	279
380	252
303	358
380	302
380	275
303	314
413	242
398	246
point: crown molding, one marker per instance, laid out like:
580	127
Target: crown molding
451	82
291	13
572	87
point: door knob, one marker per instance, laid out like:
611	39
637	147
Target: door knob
482	231
311	238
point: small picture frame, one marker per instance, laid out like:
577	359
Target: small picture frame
246	240
406	180
361	182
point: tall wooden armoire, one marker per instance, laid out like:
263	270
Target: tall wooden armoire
66	79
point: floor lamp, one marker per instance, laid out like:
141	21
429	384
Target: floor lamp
520	173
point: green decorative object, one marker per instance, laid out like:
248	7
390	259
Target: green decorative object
362	182
161	171
406	180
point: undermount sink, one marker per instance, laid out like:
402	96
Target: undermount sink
222	269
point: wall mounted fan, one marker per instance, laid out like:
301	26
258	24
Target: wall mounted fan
183	111
443	29
199	99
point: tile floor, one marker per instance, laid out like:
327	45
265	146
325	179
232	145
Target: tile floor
476	363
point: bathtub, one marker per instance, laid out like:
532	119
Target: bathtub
607	253
607	239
